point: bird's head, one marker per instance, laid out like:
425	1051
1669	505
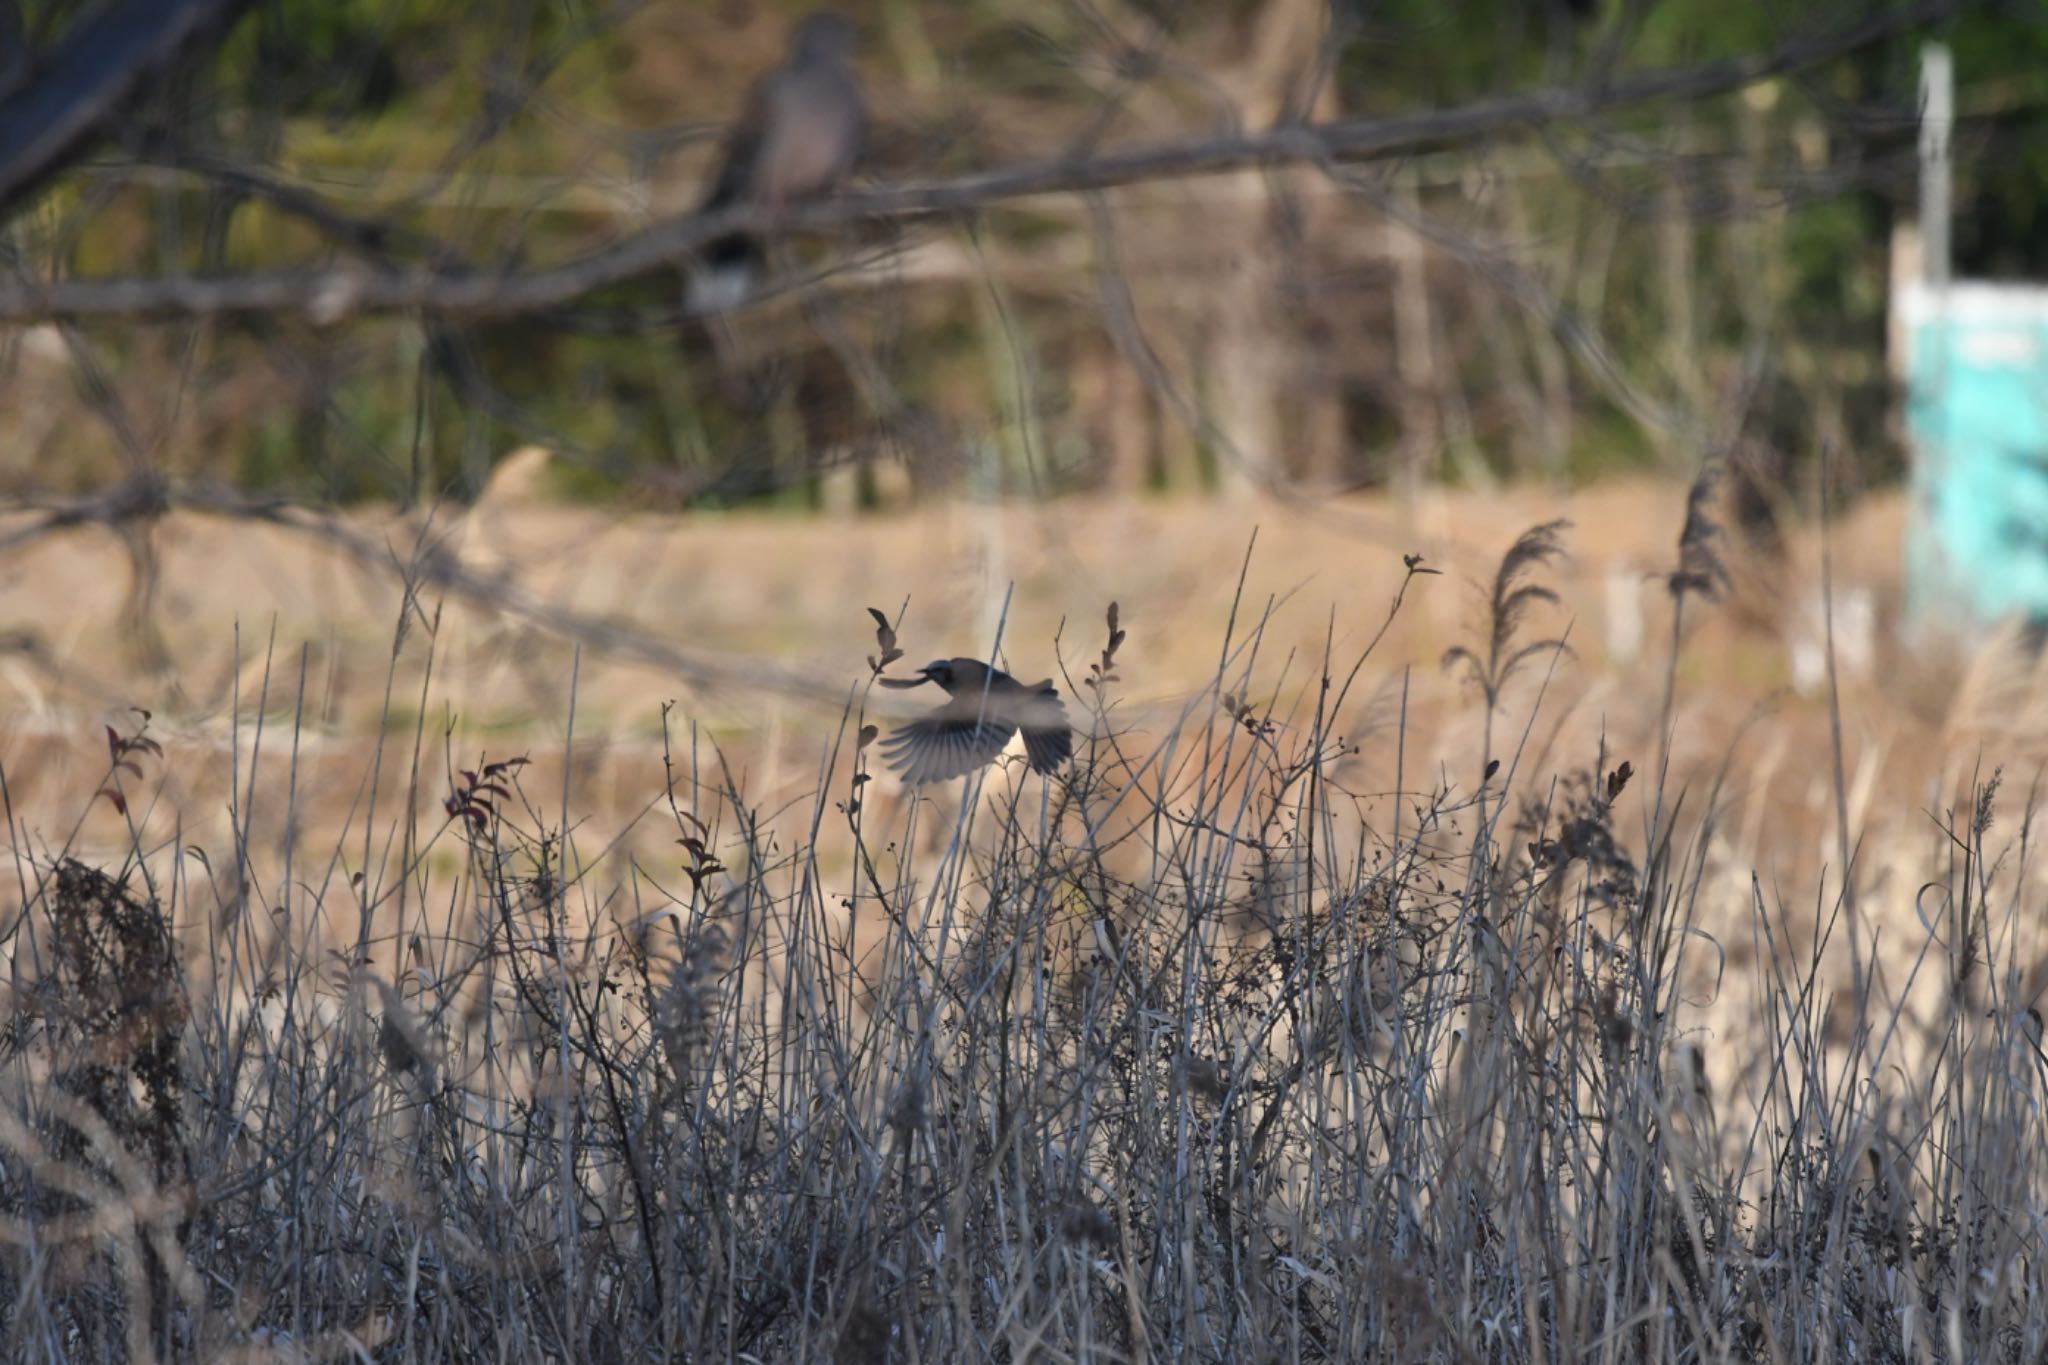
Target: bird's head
940	671
825	37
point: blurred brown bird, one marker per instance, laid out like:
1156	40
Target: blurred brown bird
984	708
798	136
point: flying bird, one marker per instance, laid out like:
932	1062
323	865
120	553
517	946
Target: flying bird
798	136
984	708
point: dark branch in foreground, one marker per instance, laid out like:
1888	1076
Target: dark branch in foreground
329	294
47	123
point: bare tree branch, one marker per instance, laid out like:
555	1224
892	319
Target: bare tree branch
144	498
329	294
47	122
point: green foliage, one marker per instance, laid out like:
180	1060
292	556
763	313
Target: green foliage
414	113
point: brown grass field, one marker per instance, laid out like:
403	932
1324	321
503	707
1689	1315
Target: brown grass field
1285	1026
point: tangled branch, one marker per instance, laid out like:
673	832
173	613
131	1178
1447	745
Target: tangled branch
383	284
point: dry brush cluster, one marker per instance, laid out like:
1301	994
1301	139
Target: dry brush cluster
1224	1045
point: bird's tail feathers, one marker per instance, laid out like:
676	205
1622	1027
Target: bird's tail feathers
1048	749
723	276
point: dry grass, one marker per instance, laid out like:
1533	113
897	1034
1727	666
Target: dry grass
1286	1026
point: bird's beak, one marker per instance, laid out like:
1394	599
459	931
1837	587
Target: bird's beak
924	675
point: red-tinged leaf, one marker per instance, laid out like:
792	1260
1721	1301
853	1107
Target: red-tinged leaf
496	791
468	778
452	803
119	801
867	736
125	766
113	744
478	818
356	880
692	843
147	745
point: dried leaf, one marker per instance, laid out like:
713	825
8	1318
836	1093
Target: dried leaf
867	736
119	801
1618	779
885	636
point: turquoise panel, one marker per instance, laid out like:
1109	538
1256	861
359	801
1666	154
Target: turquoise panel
1977	411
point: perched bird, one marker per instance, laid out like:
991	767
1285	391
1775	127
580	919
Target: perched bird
984	707
799	135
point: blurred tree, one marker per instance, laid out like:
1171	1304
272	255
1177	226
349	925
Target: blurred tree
458	229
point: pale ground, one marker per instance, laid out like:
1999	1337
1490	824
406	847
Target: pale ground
783	596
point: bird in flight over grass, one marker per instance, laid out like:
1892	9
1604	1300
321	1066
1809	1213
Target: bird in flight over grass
984	708
798	136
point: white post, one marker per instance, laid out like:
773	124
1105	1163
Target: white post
1937	121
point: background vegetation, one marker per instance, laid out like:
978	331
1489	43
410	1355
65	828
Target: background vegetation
1730	253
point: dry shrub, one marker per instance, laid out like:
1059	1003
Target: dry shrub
1219	1046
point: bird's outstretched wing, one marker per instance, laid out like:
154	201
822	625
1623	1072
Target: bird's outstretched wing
972	729
951	742
1048	740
